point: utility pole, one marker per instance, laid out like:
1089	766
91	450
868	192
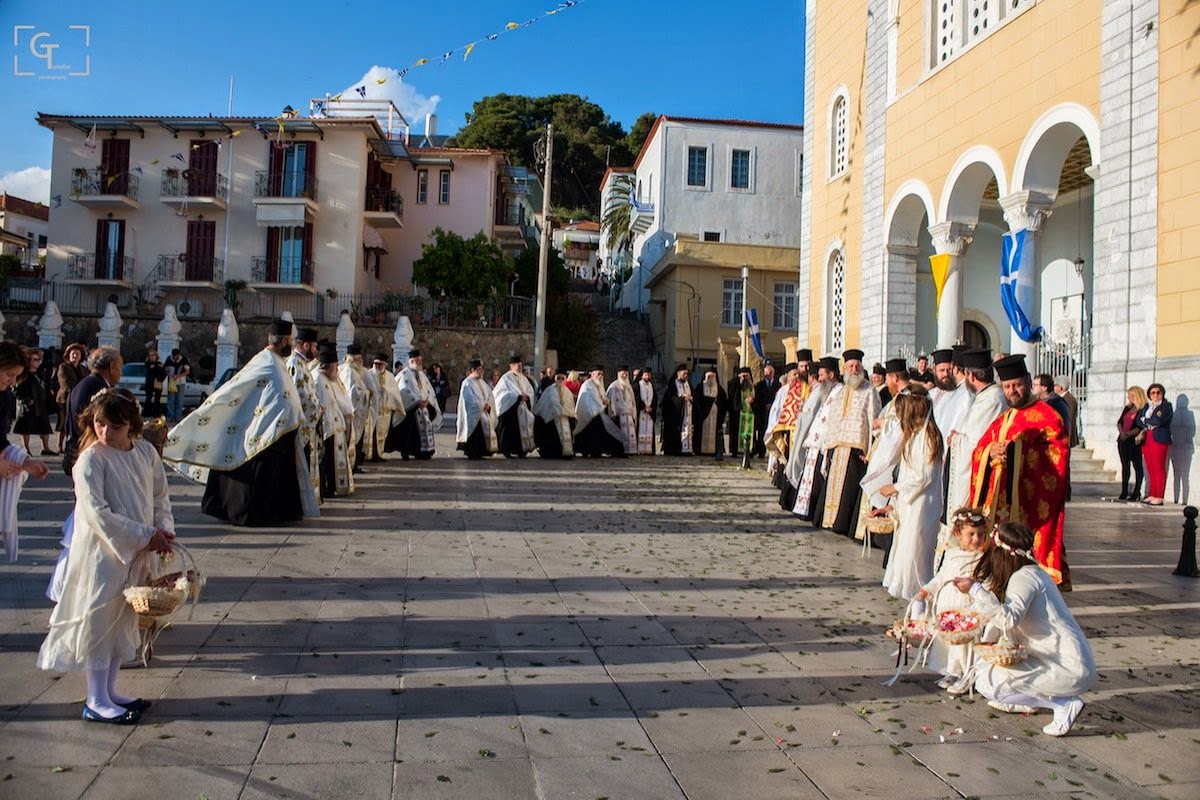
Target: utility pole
745	359
539	320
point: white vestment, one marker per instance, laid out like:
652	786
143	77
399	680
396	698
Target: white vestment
918	507
645	420
371	429
414	387
335	405
986	404
556	406
310	403
508	392
473	395
593	403
623	407
391	406
949	408
350	374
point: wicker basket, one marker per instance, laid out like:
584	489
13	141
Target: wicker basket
881	525
1004	653
163	596
960	636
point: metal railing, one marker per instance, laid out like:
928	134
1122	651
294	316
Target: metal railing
201	270
93	182
282	269
385	200
285	184
106	267
386	309
1069	358
191	183
23	293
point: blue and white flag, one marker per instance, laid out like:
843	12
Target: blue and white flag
752	327
1016	284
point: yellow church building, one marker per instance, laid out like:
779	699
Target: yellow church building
1054	142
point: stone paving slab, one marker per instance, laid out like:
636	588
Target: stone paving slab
647	628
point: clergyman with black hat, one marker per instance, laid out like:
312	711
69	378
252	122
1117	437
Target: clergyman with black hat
413	437
391	405
987	403
646	399
804	480
241	442
595	432
677	414
514	395
740	387
475	426
781	420
335	471
1019	468
554	419
851	408
304	352
361	426
622	407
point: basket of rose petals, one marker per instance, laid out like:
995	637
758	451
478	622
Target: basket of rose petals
955	626
1004	653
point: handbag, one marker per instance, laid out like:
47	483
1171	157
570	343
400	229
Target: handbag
172	388
158	386
1140	437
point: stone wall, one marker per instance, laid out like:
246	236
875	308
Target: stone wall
452	347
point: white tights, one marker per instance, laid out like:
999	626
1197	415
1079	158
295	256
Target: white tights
986	684
102	694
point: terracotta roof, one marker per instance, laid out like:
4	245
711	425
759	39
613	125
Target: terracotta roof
614	171
27	208
460	151
584	225
742	123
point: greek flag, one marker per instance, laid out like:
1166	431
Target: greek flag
752	327
1016	284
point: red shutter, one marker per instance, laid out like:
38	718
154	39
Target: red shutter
114	164
275	176
201	246
306	269
101	248
119	271
310	171
272	271
202	169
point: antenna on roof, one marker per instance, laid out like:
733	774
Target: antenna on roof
229	111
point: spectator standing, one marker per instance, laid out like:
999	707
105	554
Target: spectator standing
441	385
34	403
1155	417
70	372
156	383
179	371
1129	438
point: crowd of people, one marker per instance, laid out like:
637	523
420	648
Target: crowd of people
959	473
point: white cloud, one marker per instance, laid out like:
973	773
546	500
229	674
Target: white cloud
413	105
31	183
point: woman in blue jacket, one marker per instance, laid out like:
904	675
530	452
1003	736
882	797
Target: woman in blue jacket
1155	417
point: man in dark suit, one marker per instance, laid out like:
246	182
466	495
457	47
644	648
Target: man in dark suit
764	395
106	365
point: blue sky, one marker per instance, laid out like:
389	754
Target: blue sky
699	58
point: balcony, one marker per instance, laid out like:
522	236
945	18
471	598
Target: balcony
641	216
286	273
191	188
96	188
106	270
384	208
191	272
579	253
283	199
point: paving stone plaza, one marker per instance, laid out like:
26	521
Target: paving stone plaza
644	628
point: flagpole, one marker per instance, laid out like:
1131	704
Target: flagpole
539	319
744	360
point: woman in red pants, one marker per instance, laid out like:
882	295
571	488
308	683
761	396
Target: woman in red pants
1155	417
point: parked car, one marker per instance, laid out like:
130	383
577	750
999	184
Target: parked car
133	378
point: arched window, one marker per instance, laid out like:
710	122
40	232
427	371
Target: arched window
835	301
839	135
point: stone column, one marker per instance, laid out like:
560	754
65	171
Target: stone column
953	239
227	342
900	328
791	345
344	336
50	327
110	327
1028	210
402	340
168	332
729	352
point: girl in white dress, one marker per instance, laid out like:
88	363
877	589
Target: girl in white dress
1019	598
916	497
121	509
969	539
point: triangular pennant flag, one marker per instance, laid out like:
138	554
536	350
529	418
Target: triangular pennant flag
467	51
402	73
940	266
179	157
89	143
512	25
493	37
421	62
381	81
362	91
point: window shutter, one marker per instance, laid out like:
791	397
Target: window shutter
275	174
101	248
310	170
272	271
120	263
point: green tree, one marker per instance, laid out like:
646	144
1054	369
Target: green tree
570	324
638	133
585	140
616	220
557	276
470	268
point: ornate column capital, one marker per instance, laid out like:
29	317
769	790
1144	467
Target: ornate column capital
952	237
906	250
1026	210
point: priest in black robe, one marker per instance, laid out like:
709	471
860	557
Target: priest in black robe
709	407
677	414
741	382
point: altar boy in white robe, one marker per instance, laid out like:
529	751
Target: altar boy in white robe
622	406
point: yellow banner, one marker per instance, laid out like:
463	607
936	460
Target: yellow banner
940	264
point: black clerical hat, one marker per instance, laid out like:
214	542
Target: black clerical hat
476	363
515	359
896	365
678	368
942	356
877	369
804	355
788	367
306	335
598	368
414	353
744	371
280	327
354	350
623	369
327	355
381	357
1011	367
829	363
977	358
852	355
956	353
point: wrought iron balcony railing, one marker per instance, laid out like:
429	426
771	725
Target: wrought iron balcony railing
191	183
284	269
386	200
94	182
285	184
170	269
101	267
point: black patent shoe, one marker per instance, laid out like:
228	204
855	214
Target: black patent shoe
1122	497
138	705
128	718
1136	497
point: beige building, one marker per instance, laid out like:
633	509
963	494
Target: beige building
305	214
939	130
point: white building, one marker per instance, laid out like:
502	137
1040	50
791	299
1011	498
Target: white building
28	222
578	243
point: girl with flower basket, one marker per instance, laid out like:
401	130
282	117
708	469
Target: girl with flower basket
121	511
1020	599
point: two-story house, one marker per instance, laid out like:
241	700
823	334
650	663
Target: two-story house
710	197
